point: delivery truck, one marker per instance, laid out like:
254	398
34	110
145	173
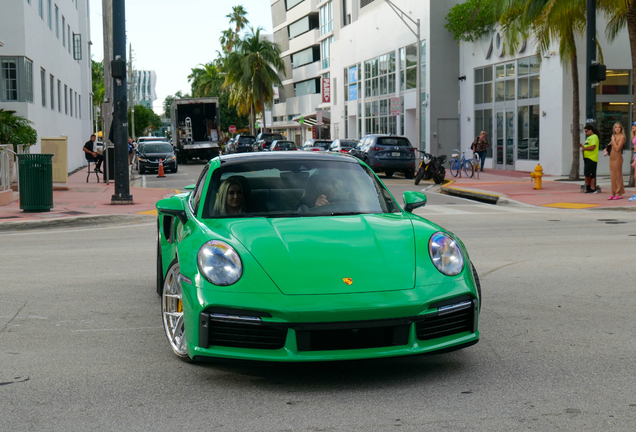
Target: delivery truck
195	128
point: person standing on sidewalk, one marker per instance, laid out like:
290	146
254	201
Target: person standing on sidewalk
590	158
93	156
480	146
131	148
615	152
633	198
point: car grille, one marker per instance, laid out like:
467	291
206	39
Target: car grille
240	335
455	319
353	336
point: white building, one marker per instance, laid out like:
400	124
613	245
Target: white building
145	82
45	69
524	103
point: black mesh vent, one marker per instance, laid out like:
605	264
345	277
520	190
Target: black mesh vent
240	335
436	326
352	338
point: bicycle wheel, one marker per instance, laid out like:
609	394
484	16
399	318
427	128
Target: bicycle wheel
453	166
469	169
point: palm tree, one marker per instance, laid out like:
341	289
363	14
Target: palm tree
621	14
227	40
252	73
238	17
550	21
15	129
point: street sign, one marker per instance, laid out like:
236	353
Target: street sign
396	106
232	129
319	118
301	120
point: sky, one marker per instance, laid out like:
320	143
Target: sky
173	36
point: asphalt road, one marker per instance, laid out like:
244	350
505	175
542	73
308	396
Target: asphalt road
82	348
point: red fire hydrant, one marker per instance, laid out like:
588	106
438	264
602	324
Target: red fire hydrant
536	175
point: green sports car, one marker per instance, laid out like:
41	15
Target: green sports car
297	256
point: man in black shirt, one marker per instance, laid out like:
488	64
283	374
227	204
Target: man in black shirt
93	156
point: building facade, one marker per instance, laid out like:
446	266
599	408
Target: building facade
45	69
145	82
524	102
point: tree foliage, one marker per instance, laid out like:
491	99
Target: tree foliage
97	72
167	102
471	20
15	129
145	120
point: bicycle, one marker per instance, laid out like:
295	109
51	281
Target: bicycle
456	165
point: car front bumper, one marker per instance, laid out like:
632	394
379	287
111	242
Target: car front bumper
276	327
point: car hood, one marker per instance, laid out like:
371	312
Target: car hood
318	255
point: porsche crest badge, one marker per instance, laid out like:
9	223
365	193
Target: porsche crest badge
347	281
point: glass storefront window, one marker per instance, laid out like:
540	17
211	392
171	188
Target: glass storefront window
528	128
499	71
608	113
499	91
617	83
510	70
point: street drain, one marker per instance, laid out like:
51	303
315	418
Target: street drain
615	222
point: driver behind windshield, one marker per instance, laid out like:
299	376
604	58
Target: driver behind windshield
230	199
322	190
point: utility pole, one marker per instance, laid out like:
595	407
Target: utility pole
120	104
418	92
590	86
107	103
132	91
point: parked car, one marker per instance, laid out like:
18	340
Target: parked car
316	145
244	143
388	154
342	146
149	153
228	146
265	139
290	256
282	145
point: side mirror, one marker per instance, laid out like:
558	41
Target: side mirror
190	187
413	200
173	207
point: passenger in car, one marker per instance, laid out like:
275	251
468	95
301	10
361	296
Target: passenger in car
229	200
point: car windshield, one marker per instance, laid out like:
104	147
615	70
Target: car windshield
394	141
157	148
323	144
247	139
271	137
348	144
295	188
285	145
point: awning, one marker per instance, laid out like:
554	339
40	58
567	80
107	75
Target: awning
310	119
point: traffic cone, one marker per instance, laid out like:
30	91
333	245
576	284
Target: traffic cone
160	173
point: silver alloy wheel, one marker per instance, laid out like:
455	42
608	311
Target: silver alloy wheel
172	311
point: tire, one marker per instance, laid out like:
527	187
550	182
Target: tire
172	312
409	175
175	169
418	177
477	283
439	176
469	169
142	170
388	174
453	166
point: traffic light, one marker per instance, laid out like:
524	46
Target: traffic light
597	73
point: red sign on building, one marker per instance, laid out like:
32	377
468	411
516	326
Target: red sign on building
326	90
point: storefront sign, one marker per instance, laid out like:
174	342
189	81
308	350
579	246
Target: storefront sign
326	90
396	106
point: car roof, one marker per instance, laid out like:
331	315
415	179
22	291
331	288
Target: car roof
281	156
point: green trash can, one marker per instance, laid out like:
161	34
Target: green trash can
36	182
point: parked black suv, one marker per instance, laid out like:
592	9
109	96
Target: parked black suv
243	144
388	154
265	139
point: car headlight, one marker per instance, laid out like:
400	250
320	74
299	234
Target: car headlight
143	159
446	254
219	263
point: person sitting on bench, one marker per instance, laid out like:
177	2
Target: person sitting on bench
93	156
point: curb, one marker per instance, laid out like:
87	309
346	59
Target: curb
92	221
473	195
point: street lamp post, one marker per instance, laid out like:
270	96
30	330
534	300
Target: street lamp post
418	103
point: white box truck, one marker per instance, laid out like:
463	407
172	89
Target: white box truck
195	128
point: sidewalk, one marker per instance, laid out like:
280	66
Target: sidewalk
85	204
504	187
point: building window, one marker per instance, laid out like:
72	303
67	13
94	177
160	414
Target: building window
43	85
52	91
291	3
528	78
303	25
9	80
48	14
76	107
302	58
63	31
380	75
326	18
28	73
353	82
57	22
505	82
364	3
528	139
483	85
70	104
408	67
65	99
59	96
69	37
311	86
379	118
326	49
40	12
